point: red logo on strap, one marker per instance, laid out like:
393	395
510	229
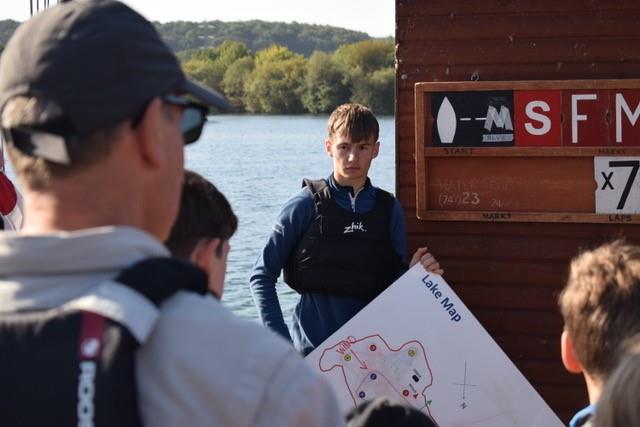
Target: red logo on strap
90	344
8	196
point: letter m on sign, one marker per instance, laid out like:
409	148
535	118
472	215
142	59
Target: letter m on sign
502	120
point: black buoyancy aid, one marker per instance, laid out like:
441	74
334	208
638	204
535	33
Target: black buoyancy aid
77	368
343	252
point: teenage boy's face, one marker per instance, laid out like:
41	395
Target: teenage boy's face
351	159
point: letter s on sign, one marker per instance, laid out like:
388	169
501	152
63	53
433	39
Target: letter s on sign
533	115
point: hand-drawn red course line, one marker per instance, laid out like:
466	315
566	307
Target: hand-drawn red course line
350	343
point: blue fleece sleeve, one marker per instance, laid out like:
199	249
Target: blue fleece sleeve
293	221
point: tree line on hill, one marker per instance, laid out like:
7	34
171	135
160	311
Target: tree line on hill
276	80
257	35
278	68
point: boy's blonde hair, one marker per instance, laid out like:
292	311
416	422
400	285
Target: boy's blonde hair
601	304
355	121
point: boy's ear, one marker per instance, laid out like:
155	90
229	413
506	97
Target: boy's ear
203	253
567	351
376	149
327	146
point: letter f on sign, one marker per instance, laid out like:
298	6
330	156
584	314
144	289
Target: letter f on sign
575	117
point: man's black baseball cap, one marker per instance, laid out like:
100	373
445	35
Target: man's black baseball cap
98	60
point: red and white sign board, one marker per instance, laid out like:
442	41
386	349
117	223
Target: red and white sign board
530	151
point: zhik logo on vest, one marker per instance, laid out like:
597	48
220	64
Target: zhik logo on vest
355	226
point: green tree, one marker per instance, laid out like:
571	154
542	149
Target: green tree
235	79
209	65
368	70
376	90
365	56
299	38
230	51
324	86
274	53
202	65
276	83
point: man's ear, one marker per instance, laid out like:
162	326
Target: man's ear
147	134
327	146
567	351
376	149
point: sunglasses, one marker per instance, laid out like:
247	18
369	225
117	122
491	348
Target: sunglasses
194	116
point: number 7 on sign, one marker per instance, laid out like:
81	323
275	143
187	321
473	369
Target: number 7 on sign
618	181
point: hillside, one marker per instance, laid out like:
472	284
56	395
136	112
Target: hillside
277	68
257	35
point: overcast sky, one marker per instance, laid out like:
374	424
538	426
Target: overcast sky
374	17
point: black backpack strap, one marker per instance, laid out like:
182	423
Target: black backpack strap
159	278
77	367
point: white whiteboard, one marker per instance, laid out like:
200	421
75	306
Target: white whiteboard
418	343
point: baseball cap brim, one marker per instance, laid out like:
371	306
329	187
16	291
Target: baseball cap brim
205	95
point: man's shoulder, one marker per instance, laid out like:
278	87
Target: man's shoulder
210	324
228	370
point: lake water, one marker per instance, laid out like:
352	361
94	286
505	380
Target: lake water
258	162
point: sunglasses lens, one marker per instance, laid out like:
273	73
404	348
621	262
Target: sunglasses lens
192	122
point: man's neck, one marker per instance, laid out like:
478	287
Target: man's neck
79	202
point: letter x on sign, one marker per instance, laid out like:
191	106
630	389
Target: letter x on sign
607	180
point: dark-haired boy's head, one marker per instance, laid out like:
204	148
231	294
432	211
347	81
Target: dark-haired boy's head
203	228
383	412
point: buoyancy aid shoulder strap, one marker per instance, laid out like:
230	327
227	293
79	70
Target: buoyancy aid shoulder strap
385	198
157	279
319	188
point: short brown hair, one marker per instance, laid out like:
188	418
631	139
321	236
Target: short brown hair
204	214
600	304
355	121
40	114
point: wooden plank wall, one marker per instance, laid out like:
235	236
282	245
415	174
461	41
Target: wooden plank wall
509	274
